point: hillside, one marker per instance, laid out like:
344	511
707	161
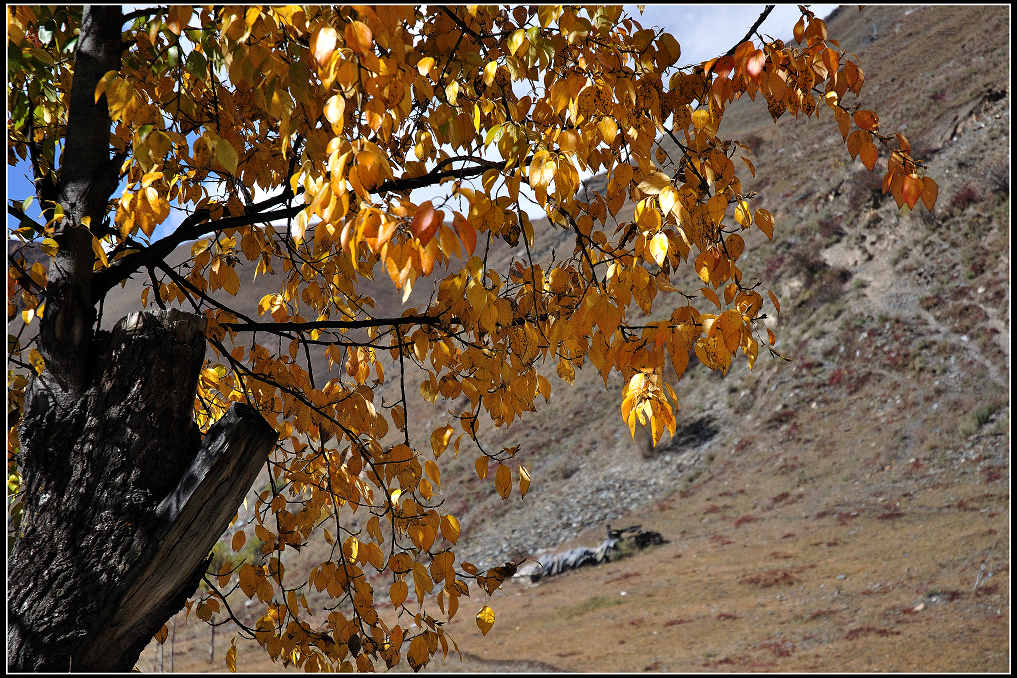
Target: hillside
846	511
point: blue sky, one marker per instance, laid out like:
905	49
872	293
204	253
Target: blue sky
704	31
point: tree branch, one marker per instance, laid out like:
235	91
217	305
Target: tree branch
194	226
333	324
434	177
762	17
147	11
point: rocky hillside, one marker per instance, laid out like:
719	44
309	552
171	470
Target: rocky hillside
843	511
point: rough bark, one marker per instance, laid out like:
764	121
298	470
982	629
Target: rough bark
86	179
123	499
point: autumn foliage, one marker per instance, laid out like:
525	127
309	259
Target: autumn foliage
293	137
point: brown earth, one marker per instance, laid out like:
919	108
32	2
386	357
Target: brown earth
854	502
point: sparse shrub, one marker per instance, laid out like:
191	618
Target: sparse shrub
999	179
866	188
831	229
754	142
964	198
984	413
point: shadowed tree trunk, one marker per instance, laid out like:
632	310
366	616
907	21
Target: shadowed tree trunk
124	498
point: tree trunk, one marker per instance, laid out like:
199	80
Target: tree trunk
124	499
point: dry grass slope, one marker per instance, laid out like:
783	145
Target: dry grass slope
848	511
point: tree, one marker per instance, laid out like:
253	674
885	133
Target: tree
292	138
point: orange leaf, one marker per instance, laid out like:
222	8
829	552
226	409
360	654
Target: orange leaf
466	232
773	298
867	120
930	191
426	221
358	37
911	190
843	121
398	592
711	295
855	141
869	155
764	221
799	30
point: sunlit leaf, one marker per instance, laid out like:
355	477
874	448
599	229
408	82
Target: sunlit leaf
485	619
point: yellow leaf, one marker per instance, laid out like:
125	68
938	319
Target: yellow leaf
334	108
398	593
516	40
667	198
503	480
231	658
432	470
608	129
358	37
773	298
742	214
485	619
654	183
524	480
425	65
418	653
49	246
100	253
490	70
481	466
162	634
452	92
421	582
239	538
658	248
323	44
764	222
450	528
351	548
544	386
440	438
711	295
177	18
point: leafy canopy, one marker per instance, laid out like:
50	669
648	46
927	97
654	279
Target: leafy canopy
292	138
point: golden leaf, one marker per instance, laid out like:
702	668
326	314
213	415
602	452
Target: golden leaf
485	619
764	221
503	480
658	248
524	480
323	44
398	593
450	528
